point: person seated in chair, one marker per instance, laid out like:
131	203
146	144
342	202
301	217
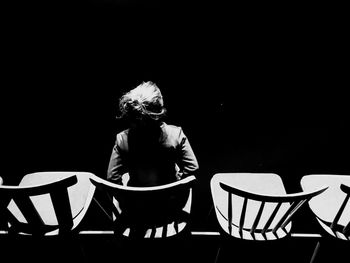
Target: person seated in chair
149	152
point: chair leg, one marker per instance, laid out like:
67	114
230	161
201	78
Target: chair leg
317	248
217	255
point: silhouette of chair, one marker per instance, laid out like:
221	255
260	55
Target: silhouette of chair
331	208
46	203
148	212
255	206
43	206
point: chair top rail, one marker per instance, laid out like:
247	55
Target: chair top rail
345	188
38	189
271	198
100	181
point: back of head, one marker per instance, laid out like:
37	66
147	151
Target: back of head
142	104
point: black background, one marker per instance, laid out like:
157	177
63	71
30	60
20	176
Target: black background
256	88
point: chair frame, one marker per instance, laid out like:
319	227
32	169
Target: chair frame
346	229
336	230
296	200
121	218
58	192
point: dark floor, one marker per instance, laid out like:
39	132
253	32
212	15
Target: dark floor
195	248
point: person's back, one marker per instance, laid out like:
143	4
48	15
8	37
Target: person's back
151	152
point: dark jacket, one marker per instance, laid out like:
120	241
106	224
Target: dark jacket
152	157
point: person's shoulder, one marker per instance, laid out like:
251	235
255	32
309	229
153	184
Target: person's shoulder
121	140
172	131
171	128
122	135
124	132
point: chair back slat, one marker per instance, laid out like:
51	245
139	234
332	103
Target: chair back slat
339	213
257	218
346	229
272	217
153	232
242	217
29	212
291	213
176	226
287	214
62	207
229	212
165	231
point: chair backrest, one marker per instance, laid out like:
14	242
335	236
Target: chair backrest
331	208
46	203
255	206
149	212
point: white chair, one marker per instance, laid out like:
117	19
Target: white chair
149	212
331	208
254	206
46	203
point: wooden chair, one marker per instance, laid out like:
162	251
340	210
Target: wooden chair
255	206
331	208
46	203
148	212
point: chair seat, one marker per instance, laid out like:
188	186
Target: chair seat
327	205
260	183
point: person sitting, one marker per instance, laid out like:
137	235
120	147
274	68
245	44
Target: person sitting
149	152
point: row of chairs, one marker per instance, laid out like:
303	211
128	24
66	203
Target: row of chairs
54	203
250	206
